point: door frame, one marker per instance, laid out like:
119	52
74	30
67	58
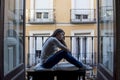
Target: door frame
1	38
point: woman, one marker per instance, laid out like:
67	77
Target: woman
50	55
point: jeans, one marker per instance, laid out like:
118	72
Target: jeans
55	58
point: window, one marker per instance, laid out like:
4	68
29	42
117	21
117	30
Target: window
39	15
82	46
42	15
85	16
42	12
81	16
45	15
78	16
84	13
34	47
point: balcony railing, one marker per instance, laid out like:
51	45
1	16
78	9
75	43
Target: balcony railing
41	16
83	15
83	48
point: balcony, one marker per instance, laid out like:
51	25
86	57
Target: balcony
83	49
83	16
39	16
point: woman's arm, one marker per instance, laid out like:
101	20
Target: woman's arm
61	44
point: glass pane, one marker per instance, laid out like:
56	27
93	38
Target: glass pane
39	15
78	16
85	16
106	33
45	15
13	34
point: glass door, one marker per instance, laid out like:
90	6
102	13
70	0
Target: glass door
106	38
14	40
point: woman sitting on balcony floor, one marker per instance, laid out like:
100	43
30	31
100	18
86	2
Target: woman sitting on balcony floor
50	55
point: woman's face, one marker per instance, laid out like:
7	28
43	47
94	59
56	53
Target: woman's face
60	36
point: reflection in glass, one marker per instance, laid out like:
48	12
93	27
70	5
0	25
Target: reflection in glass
13	35
106	33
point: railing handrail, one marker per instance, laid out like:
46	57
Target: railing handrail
40	9
65	36
83	9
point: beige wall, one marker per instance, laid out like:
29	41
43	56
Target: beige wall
62	10
66	28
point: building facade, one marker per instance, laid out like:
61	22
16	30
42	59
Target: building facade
43	17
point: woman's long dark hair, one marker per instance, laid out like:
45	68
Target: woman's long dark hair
57	31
